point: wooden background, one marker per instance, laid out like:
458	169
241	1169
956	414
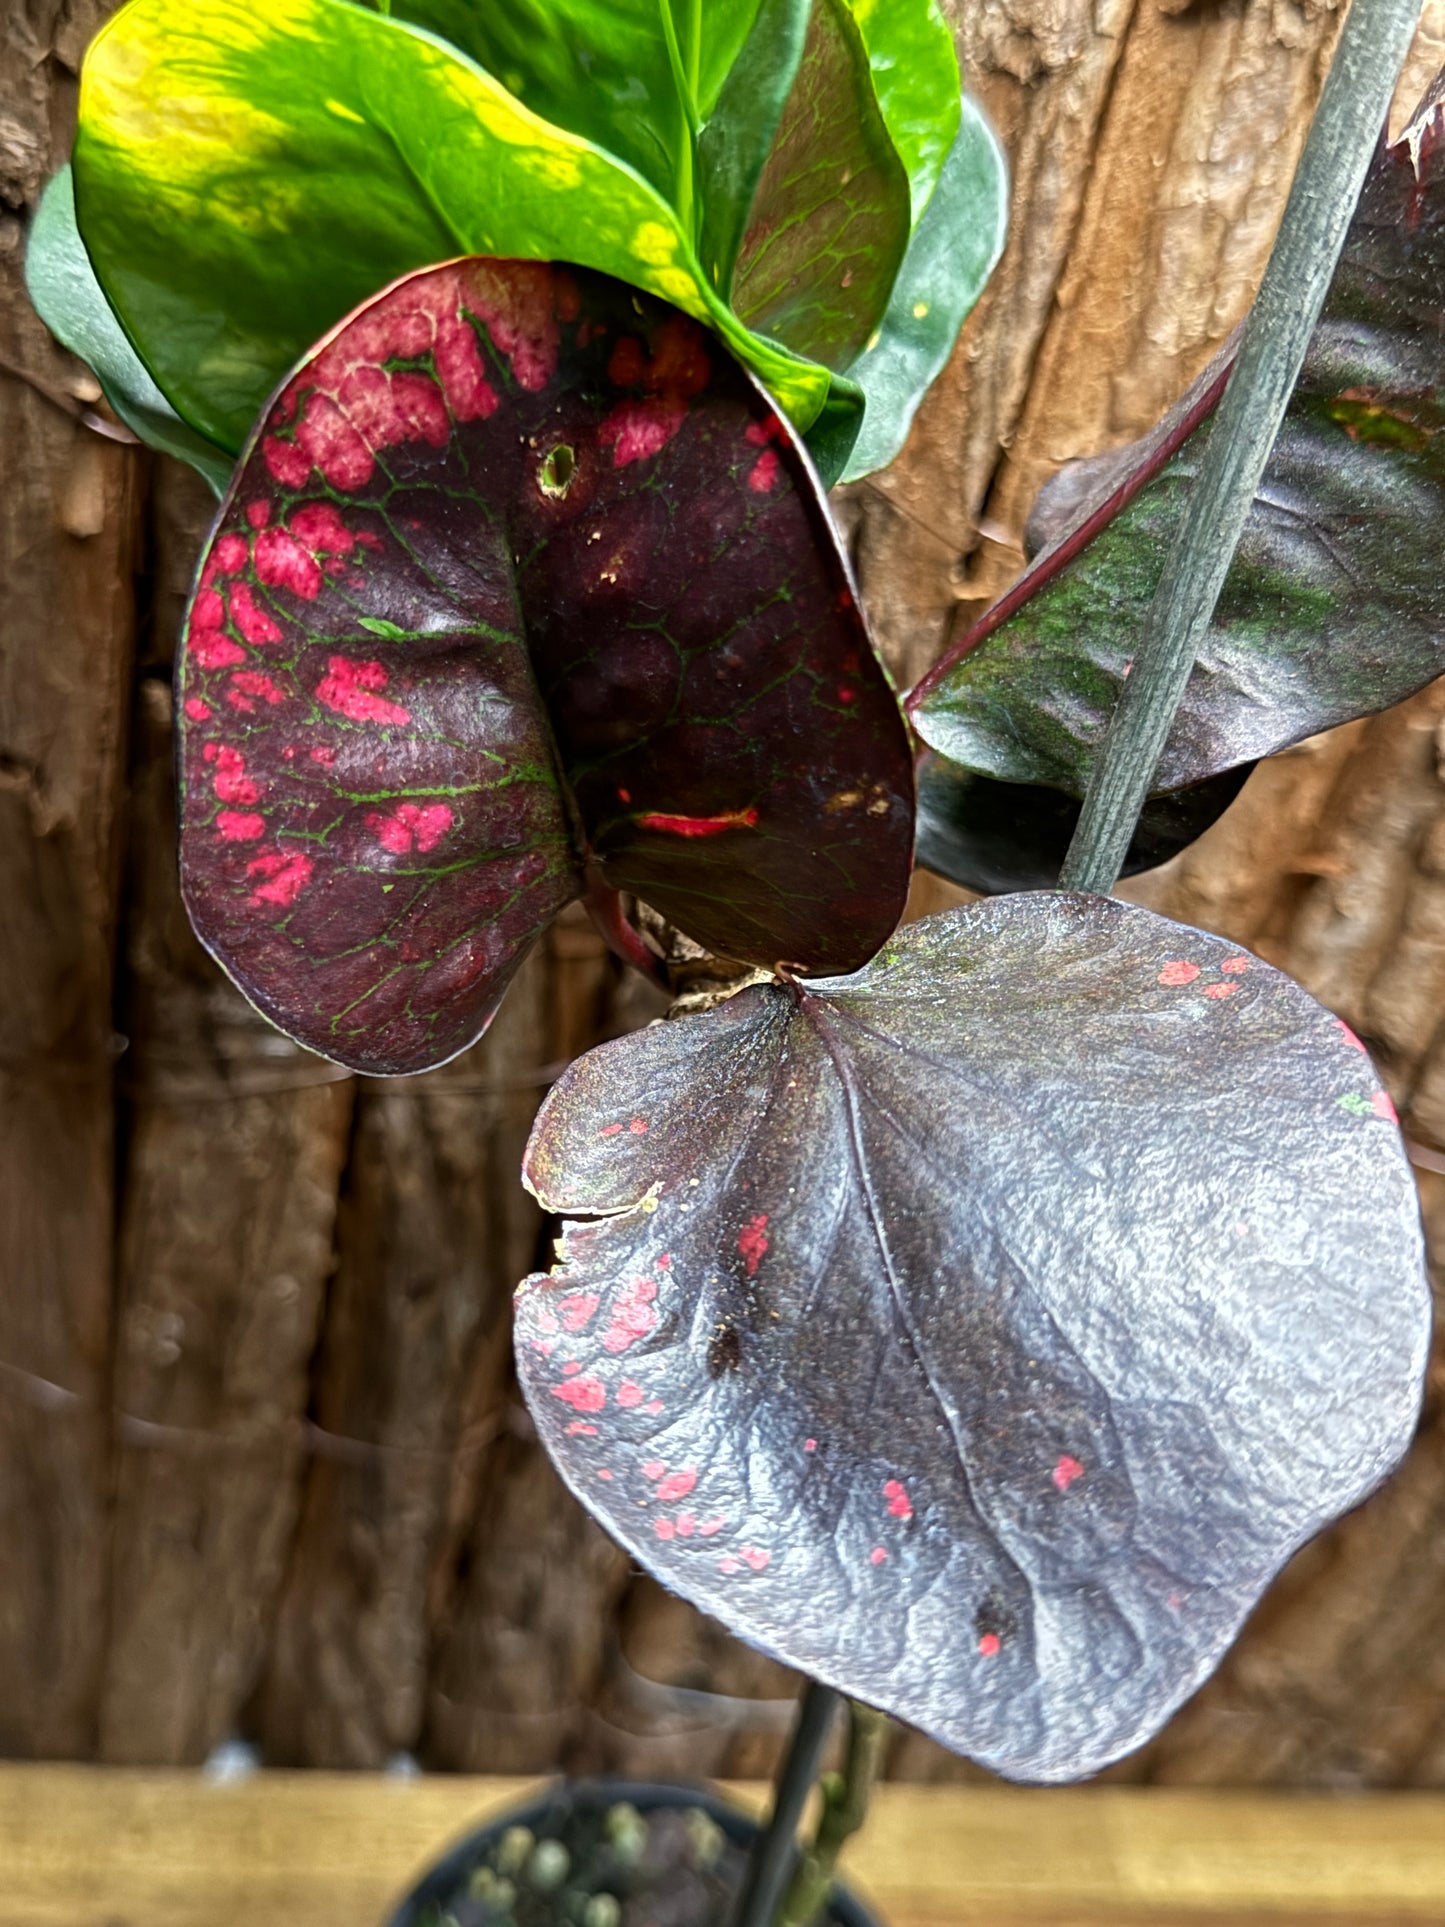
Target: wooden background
262	1469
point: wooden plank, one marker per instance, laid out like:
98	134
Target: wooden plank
88	1847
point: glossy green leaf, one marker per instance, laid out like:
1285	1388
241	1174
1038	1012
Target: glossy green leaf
1334	605
70	302
322	152
949	259
601	68
830	220
733	147
915	76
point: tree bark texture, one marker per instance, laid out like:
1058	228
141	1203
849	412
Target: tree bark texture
263	1467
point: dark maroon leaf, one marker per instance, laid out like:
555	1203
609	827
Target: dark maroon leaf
995	837
981	1332
520	578
1335	604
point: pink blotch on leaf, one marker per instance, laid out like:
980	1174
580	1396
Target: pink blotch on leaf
323	754
352	689
710	1527
603	1473
632	1316
989	1645
518	302
546	1346
877	1556
664	1263
579	1428
282	563
571	1368
693	826
1234	965
577	1311
900	1505
582	1394
1178	972
318	525
1220	990
412	826
727	1564
759	434
756	1558
664	1528
1066	1471
198	711
609	1130
753	1242
236	826
470	396
251	682
254	624
283	877
288	464
653	1406
677	1485
764	472
810	1445
1349	1036
258	514
232	552
638	1127
637	430
232	784
209	649
653	1469
1383	1106
629	1394
686	1525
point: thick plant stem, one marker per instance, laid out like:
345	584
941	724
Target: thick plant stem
1347	124
845	1804
771	1863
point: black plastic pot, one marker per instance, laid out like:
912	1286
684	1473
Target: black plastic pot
547	1816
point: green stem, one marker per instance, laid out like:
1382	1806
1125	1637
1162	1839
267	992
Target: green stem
1342	138
776	1849
845	1805
684	80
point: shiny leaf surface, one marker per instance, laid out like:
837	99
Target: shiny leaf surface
953	251
981	1333
1335	604
521	575
830	219
733	146
914	66
995	837
600	68
69	300
324	151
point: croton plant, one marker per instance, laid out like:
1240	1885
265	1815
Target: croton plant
976	1315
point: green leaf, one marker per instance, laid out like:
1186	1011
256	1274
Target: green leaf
733	146
916	78
952	253
830	220
600	68
322	153
69	301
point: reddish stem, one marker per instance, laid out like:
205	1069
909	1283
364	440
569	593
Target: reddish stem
604	906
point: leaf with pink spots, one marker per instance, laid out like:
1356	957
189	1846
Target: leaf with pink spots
523	582
1016	1309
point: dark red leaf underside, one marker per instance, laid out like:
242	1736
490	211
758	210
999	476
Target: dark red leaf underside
521	573
982	1332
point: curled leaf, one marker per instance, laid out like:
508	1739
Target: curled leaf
980	1333
521	579
1334	606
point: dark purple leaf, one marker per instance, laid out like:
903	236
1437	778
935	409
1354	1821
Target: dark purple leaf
995	837
1335	604
522	577
981	1332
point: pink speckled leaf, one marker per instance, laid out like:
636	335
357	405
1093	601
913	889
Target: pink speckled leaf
520	580
980	1333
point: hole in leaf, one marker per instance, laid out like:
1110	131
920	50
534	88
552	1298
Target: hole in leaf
559	465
